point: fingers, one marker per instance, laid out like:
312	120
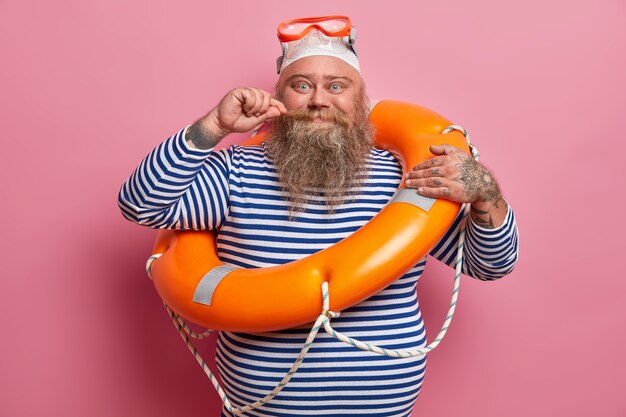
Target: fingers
434	187
439	192
274	109
442	154
265	104
433	171
244	108
252	101
437	177
444	149
430	163
279	105
260	104
428	182
253	104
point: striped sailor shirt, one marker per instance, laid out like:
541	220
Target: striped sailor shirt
236	191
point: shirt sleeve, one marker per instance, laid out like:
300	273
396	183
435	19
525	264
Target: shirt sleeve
178	187
488	254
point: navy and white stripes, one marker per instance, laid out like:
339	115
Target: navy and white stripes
236	191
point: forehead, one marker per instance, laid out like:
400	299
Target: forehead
320	68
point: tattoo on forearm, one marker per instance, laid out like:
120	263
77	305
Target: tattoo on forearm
479	218
477	181
201	138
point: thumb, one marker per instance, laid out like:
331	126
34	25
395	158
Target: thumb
272	112
444	149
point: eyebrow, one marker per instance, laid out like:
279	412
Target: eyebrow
326	77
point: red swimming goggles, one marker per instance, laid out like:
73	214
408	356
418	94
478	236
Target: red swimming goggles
333	26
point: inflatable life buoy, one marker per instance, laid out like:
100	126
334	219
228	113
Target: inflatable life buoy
192	280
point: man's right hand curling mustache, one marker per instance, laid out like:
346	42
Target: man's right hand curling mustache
244	108
240	111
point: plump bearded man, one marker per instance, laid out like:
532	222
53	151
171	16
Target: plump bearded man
318	179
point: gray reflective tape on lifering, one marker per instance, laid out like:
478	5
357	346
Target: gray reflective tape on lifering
410	195
210	281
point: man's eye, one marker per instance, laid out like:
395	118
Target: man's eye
302	86
335	87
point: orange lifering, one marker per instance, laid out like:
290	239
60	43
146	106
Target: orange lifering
289	295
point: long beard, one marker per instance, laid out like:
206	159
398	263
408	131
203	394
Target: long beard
320	161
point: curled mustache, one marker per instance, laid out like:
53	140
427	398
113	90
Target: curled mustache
327	115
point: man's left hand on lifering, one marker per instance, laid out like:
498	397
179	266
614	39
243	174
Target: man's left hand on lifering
454	175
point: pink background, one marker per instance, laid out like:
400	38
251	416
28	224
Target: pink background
89	87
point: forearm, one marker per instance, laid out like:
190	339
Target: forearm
166	189
205	133
487	209
489	214
489	253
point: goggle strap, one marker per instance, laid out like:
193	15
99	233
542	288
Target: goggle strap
352	37
281	58
279	63
352	40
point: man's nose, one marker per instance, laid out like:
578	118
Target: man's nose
319	99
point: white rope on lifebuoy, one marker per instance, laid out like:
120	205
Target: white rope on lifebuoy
151	259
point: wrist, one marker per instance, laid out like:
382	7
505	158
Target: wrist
488	192
206	132
212	125
487	203
489	214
